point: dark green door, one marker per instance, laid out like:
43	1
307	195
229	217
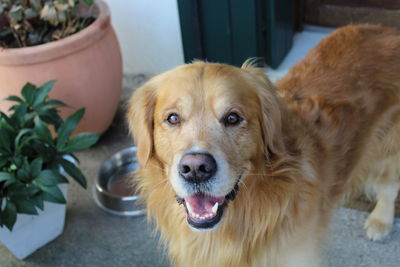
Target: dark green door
231	31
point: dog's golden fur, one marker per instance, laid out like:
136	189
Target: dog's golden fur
332	124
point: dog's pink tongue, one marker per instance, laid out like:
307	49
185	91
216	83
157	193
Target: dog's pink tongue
200	204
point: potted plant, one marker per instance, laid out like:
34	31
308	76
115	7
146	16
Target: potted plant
71	41
36	156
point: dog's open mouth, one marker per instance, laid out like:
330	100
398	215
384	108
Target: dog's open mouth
205	211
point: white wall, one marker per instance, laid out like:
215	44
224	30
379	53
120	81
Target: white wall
149	34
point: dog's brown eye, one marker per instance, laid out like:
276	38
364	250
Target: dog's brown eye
173	119
232	119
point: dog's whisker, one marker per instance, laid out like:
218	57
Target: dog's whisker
161	183
242	184
156	166
257	174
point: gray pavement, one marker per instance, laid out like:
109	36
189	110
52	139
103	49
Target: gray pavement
347	246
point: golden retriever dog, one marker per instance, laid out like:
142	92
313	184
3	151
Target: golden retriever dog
236	171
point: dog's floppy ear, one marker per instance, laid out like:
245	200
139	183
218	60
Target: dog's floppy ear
271	110
271	122
140	121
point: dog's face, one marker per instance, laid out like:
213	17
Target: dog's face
206	124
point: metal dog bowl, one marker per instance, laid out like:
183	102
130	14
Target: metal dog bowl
114	190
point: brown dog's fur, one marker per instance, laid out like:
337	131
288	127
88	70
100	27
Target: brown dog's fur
332	125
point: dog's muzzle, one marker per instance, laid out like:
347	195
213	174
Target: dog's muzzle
204	210
197	168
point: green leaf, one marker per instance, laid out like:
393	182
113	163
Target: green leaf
74	159
49	198
14	98
28	92
3	162
88	2
19	114
44	150
30	14
25	206
7	125
16	13
6	120
42	93
54	193
4	32
24	172
25	143
29	117
36	4
4	176
19	190
18	160
68	126
10	182
50	116
9	215
80	142
54	103
20	135
5	141
73	171
38	201
42	130
50	178
36	166
1	205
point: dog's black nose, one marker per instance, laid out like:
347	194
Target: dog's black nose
197	167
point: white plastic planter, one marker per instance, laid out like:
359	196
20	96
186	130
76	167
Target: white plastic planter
31	232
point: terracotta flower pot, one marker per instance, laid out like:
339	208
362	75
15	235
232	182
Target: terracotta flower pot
87	66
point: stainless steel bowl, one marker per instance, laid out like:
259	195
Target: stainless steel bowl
109	193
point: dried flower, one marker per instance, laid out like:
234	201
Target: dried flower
32	22
36	4
49	13
62	16
61	6
30	13
16	14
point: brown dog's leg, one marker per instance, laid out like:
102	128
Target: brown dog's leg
379	222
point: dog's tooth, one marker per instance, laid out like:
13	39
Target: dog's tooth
215	208
190	209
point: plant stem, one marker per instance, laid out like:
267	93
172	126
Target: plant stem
3	44
16	36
